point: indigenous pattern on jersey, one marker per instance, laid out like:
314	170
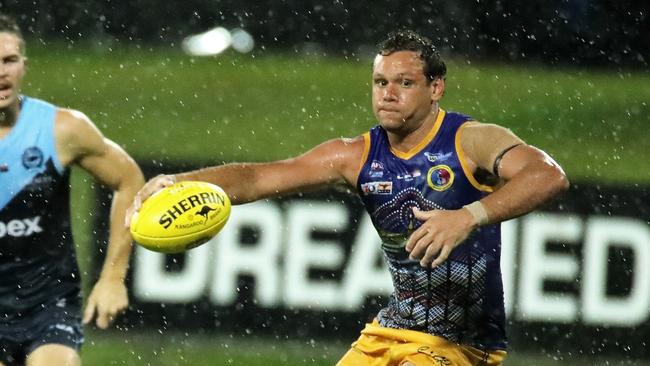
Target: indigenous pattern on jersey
462	299
37	257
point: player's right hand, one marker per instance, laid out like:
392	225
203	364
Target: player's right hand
154	185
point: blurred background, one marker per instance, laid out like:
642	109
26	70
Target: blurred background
185	84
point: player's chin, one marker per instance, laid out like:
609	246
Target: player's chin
391	124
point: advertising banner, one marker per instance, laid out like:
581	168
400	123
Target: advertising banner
576	273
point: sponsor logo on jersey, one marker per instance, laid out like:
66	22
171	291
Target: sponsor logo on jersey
409	176
435	157
440	177
20	227
377	188
32	158
376	169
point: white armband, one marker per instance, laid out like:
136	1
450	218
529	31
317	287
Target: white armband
478	212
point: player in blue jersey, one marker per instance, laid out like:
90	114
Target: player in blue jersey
40	301
436	185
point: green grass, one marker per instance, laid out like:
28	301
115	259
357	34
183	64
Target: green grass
180	349
162	104
199	349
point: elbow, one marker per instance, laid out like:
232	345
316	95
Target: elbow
558	181
132	178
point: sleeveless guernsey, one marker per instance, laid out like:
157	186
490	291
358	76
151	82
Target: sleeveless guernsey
462	299
37	255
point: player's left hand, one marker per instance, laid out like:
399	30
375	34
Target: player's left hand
107	300
441	231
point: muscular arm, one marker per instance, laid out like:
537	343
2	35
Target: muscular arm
80	143
333	162
529	177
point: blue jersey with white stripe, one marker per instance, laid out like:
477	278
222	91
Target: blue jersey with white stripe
37	257
462	299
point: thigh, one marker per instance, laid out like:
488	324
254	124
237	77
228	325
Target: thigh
368	350
53	354
448	355
354	357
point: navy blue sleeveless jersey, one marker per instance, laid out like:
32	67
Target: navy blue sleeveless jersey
462	299
37	256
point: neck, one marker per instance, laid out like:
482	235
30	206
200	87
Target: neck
9	115
409	139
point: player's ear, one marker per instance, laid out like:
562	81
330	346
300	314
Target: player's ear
437	89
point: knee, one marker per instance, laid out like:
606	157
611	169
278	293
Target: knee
53	355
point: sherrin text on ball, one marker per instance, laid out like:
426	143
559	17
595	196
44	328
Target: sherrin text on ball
180	217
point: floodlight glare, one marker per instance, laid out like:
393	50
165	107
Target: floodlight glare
242	41
212	42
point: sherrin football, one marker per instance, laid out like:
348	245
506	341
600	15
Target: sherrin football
180	217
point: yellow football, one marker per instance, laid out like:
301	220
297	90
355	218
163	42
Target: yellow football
180	217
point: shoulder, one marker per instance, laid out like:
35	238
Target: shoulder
353	148
340	150
76	135
337	157
474	126
484	143
75	124
474	130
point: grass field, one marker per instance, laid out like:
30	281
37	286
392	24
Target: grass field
178	349
161	104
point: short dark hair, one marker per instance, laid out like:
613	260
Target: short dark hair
9	25
408	40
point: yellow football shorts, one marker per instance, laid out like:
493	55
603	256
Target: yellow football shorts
379	346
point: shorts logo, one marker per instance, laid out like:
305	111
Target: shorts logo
438	360
376	169
63	327
440	177
32	158
377	188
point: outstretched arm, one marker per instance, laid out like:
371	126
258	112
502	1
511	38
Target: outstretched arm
333	162
81	143
530	178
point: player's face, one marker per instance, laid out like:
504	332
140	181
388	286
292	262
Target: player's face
12	69
402	97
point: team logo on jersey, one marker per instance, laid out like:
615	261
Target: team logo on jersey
440	177
376	169
377	188
32	157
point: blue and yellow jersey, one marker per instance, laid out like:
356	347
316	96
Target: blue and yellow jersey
462	299
37	257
